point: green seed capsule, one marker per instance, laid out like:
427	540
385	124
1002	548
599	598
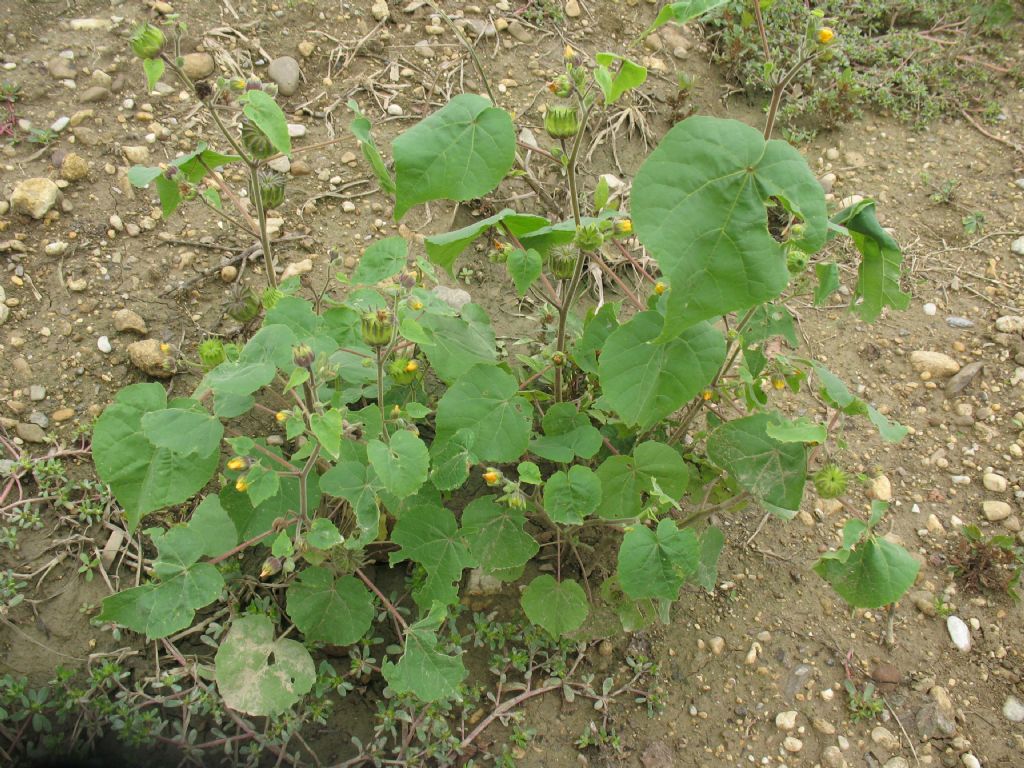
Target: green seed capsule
830	481
211	354
272	186
256	141
377	328
245	308
563	261
147	41
561	122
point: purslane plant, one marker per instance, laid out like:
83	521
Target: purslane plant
393	431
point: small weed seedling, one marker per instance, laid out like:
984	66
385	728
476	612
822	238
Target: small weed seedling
863	704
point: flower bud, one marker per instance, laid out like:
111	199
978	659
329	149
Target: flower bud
377	328
796	261
404	371
558	359
271	295
147	41
245	307
826	35
303	356
588	238
415	305
241	485
561	122
271	566
561	86
660	288
830	481
563	261
281	416
211	354
493	476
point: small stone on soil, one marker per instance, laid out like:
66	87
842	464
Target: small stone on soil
959	633
34	197
128	320
285	71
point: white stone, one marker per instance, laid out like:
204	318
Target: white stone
959	633
996	511
297	268
296	130
792	744
786	721
56	248
395	110
1010	324
936	364
1017	246
1013	709
885	738
994	482
881	488
280	164
34	197
103	344
970	761
60	124
930	309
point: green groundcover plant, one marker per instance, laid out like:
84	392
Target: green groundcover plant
382	434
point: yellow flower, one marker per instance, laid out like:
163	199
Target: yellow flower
238	463
623	227
281	416
826	35
660	287
706	395
412	366
165	348
415	305
778	382
568	54
241	485
492	476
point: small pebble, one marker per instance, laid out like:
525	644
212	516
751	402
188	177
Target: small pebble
103	344
959	633
930	309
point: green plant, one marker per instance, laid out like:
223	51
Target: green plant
946	192
991	564
974	223
915	59
863	705
328	447
44	136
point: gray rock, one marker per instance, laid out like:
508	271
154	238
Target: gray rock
39	419
963	378
34	197
60	68
1017	246
1013	709
148	357
896	762
520	32
93	94
453	297
885	738
198	65
937	718
37	392
30	433
959	322
423	49
833	757
127	320
1010	323
284	70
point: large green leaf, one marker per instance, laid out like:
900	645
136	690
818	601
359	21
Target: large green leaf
337	611
269	118
237	378
625	479
444	248
451	459
495	535
559	607
460	152
357	483
596	329
425	670
183	431
567	434
401	463
868	571
486	402
571	496
700	206
656	563
458	343
645	381
878	277
382	259
258	674
771	470
429	535
142	476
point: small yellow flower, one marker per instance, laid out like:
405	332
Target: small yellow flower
778	382
568	54
660	287
395	412
281	416
165	348
826	35
706	395
415	305
623	227
492	476
238	463
241	485
412	366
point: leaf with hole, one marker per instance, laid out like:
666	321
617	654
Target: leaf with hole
258	674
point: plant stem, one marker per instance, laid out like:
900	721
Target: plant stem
254	540
261	216
380	379
400	624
